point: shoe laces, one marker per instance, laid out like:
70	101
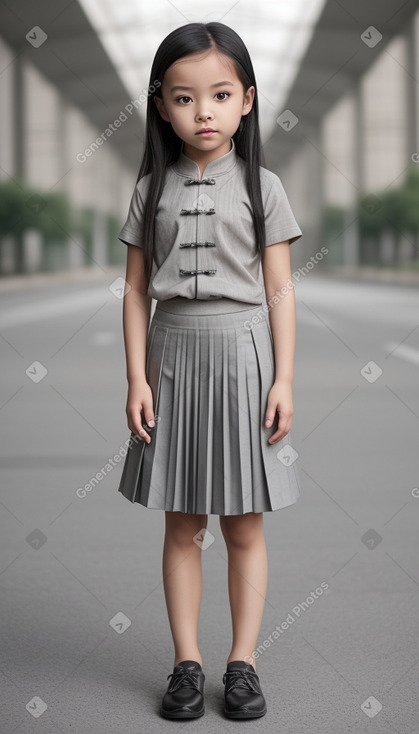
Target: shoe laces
184	678
241	679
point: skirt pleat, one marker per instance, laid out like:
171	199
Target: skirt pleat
210	376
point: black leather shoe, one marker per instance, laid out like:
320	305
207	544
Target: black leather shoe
184	698
243	697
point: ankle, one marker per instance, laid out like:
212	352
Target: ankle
245	658
191	656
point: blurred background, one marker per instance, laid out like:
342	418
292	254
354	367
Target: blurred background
339	119
85	640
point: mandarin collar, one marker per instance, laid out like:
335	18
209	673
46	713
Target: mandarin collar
187	167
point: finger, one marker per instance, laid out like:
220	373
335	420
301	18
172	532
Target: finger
270	415
149	414
143	433
141	428
281	432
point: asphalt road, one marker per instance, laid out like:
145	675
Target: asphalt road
86	645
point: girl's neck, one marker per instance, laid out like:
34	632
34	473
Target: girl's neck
202	158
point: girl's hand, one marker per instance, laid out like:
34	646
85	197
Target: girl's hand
140	398
279	399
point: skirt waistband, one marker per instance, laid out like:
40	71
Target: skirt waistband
243	319
193	306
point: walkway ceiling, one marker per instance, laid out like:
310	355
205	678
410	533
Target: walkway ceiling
334	61
74	60
97	64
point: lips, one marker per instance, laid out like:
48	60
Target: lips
206	130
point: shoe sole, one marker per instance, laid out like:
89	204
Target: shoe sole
244	714
182	714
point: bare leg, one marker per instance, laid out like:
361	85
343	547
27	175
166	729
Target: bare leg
182	581
247	580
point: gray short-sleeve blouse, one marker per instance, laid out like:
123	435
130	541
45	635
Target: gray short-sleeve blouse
204	235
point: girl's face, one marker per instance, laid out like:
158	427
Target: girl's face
203	90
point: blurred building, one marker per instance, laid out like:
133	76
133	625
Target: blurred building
344	140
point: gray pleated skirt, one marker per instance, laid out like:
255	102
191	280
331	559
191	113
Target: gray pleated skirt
210	369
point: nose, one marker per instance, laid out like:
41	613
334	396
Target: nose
205	116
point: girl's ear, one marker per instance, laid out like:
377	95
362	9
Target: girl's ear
161	108
248	101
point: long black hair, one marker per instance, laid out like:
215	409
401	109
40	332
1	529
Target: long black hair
163	146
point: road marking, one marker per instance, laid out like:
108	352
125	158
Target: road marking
403	351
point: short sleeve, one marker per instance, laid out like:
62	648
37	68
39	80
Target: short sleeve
131	232
280	222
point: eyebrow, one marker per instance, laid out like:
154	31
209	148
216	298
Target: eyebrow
191	89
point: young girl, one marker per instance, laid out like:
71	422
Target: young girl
210	380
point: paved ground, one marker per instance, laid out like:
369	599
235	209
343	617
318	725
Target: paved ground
74	569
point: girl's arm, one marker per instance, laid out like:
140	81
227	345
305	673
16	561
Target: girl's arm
282	318
136	317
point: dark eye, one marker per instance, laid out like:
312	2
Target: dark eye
179	98
227	93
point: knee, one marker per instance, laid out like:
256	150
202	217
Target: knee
182	529
241	531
